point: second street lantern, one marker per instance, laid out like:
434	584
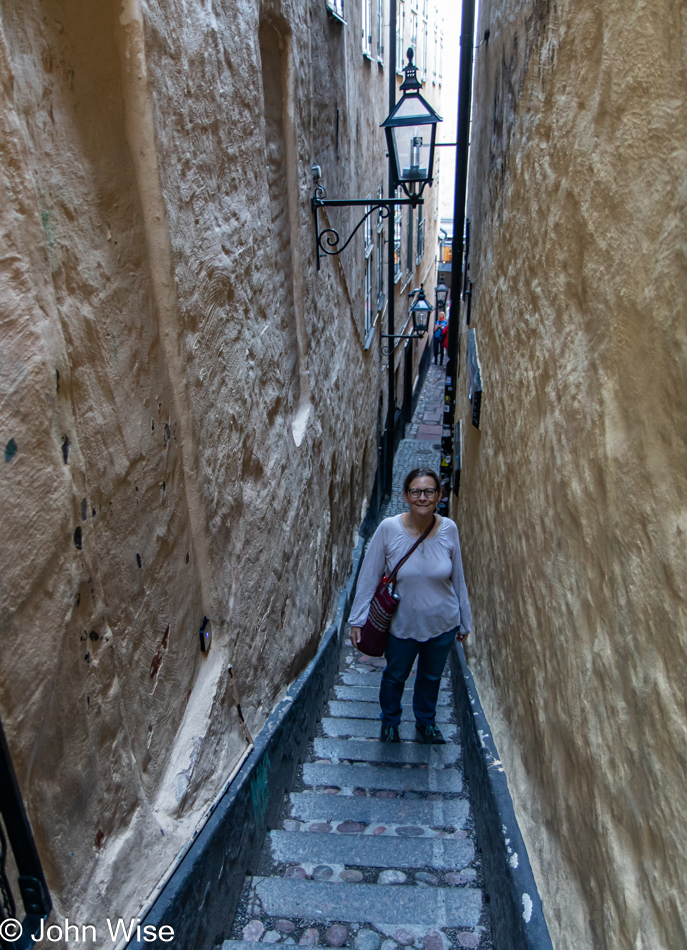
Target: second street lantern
411	130
420	312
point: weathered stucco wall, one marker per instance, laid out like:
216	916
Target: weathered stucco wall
572	501
187	409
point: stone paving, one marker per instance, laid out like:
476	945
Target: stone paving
375	848
427	418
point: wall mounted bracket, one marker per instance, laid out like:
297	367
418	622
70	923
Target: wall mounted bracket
327	241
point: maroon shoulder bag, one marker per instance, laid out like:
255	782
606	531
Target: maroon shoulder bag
374	634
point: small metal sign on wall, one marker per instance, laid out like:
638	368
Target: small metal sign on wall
474	377
457	456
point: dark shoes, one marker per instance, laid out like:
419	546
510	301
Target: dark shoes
389	734
430	735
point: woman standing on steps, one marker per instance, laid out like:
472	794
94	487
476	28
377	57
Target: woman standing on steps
433	607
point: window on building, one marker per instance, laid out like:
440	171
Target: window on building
435	185
380	30
380	251
336	7
435	58
368	296
398	227
420	234
400	35
367	27
413	35
369	248
410	263
441	56
423	51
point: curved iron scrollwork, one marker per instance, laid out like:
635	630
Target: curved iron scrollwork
328	241
330	236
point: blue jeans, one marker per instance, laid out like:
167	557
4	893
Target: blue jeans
400	656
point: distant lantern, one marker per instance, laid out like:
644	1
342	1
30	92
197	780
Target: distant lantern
411	130
441	293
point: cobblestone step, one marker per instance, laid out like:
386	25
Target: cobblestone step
289	847
370	694
241	945
402	753
369	729
374	679
323	774
309	806
378	904
370	710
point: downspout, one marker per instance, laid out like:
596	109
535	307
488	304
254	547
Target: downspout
453	352
391	286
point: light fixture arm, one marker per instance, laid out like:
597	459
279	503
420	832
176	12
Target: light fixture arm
327	241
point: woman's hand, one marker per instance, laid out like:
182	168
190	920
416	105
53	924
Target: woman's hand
462	637
355	635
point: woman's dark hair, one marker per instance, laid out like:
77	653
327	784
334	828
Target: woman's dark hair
421	473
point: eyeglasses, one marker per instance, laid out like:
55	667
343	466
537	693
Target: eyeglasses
427	492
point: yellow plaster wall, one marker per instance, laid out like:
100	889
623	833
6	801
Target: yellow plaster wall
176	408
572	507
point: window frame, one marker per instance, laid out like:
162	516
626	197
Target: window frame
421	227
424	50
435	60
367	285
336	8
380	32
380	251
366	11
441	56
400	36
410	265
414	33
398	238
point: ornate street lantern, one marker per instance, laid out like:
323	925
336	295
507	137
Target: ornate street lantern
420	312
411	130
441	293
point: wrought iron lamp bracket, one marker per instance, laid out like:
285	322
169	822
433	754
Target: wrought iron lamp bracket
327	241
387	348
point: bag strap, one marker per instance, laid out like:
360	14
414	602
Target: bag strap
407	555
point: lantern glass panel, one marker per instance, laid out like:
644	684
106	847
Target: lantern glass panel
413	141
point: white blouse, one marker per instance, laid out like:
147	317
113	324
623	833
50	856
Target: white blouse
430	585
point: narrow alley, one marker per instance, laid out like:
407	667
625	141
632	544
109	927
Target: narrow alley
376	844
232	236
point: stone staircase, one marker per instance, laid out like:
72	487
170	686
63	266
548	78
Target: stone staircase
376	848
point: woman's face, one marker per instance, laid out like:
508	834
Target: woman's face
422	504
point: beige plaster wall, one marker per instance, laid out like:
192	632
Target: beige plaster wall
187	408
572	501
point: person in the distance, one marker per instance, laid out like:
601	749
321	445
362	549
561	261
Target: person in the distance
433	608
438	338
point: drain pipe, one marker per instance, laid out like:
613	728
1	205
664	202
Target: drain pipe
390	434
467	27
